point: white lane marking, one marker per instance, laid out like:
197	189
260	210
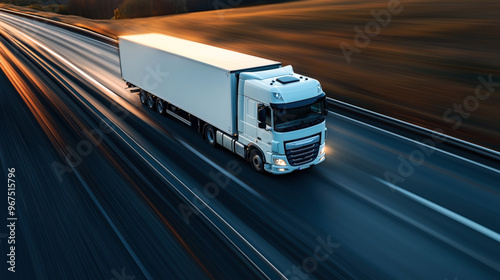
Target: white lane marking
420	143
420	128
448	213
165	168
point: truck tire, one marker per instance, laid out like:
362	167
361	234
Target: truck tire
209	135
160	106
143	97
257	160
151	101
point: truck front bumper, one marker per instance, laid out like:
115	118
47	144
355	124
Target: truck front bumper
277	169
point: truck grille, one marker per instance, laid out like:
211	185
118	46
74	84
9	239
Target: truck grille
302	151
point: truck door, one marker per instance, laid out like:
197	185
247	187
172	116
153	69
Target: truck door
264	136
250	119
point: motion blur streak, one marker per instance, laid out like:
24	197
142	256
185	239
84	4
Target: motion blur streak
20	82
112	94
71	116
7	60
169	225
56	86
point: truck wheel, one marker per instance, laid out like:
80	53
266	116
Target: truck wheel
160	106
151	101
210	135
143	97
256	160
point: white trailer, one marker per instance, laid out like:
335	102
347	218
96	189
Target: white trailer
231	98
197	78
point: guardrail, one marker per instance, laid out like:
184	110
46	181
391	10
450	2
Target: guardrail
448	143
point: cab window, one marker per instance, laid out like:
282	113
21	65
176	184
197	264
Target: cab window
268	116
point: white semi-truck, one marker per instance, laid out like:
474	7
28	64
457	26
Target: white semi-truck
254	107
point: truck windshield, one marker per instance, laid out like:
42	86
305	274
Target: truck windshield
298	115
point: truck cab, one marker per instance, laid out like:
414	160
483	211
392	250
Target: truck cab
281	118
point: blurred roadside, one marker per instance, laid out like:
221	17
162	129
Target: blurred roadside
432	63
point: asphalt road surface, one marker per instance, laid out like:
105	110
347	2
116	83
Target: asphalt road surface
107	189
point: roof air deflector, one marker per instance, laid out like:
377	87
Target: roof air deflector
287	79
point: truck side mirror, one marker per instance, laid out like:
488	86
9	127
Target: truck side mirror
325	110
262	125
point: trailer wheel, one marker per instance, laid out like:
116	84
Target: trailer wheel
160	106
210	135
256	160
151	101
143	97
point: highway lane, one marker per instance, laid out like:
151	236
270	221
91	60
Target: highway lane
98	220
145	240
377	231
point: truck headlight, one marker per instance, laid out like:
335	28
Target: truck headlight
279	162
278	95
322	150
